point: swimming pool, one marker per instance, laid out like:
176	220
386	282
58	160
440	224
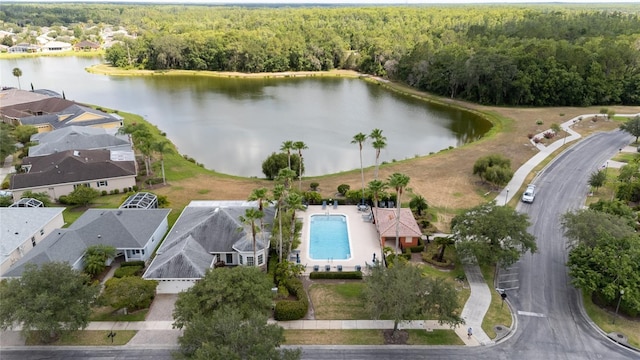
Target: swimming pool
329	237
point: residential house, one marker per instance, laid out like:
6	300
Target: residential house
134	234
23	228
48	110
77	138
24	48
56	46
86	45
408	230
60	173
208	232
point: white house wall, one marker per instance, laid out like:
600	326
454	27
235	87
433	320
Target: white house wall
57	190
174	286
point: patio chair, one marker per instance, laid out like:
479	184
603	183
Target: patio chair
324	204
358	268
316	267
335	204
339	267
327	268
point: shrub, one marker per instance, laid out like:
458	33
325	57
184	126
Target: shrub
343	188
104	193
548	135
5	184
135	188
127	271
292	310
335	275
63	200
116	191
132	263
426	257
416	249
539	122
314	186
312	197
530	136
154	181
536	140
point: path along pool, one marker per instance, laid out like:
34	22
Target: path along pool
329	237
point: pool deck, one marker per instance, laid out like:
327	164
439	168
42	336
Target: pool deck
363	238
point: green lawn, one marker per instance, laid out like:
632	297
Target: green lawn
604	320
87	338
498	313
338	301
367	337
106	313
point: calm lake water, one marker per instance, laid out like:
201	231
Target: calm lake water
232	125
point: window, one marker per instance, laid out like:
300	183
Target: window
240	258
260	259
101	183
249	260
41	231
229	259
75	186
33	241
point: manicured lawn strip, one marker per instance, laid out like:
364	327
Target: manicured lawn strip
338	301
604	320
367	337
435	337
105	313
88	338
456	273
498	314
625	157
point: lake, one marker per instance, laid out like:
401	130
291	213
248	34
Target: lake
231	125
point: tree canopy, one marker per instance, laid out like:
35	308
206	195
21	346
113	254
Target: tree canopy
402	292
47	300
494	169
245	288
586	226
535	55
129	292
493	234
632	126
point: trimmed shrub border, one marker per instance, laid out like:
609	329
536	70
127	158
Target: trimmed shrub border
336	275
293	309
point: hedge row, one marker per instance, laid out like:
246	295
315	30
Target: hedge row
416	249
290	309
132	263
127	271
335	275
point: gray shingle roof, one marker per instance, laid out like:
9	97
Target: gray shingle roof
71	166
18	223
215	227
120	228
68	115
76	138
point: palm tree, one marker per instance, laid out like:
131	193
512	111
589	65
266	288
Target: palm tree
261	195
287	146
359	139
418	204
95	258
294	202
286	176
17	73
379	143
278	195
299	145
249	218
162	147
399	182
377	188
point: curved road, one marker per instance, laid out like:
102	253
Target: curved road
550	324
553	326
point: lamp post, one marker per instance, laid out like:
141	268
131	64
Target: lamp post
618	306
506	198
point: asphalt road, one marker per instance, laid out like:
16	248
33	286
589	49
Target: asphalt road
550	324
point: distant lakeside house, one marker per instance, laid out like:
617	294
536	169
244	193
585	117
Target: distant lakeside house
22	228
77	138
134	233
60	173
206	233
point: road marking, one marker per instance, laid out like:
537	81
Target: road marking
527	313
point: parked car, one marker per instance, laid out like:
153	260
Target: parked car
529	194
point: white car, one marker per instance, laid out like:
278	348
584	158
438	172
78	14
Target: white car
529	194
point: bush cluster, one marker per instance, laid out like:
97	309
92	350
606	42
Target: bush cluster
416	249
127	271
293	309
133	263
335	275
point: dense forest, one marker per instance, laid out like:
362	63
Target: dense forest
500	55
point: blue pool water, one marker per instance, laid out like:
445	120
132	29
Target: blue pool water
328	237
